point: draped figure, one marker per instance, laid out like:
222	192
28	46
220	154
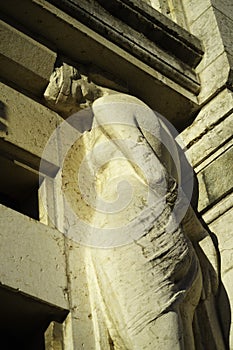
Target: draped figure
150	283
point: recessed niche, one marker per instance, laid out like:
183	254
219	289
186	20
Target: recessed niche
19	187
24	320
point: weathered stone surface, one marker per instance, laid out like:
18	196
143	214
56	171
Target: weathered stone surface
217	178
214	29
176	13
136	13
117	296
218	152
64	32
200	7
26	126
224	6
215	77
29	126
219	209
225	25
82	313
32	258
153	35
222	227
78	329
206	29
155	4
54	336
211	129
210	141
210	115
24	61
69	91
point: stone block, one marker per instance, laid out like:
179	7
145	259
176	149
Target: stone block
203	201
81	318
24	61
217	177
210	115
211	141
29	125
224	6
175	11
214	77
215	31
207	30
32	258
225	25
200	7
211	158
155	4
222	227
219	209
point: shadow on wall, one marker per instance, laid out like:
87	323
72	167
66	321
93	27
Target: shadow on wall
3	118
214	303
221	299
224	312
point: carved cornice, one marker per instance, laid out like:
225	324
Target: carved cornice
155	26
144	32
137	50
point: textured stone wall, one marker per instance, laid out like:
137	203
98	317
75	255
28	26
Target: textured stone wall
37	260
173	9
209	138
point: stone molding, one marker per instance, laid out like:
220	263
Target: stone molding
125	59
30	70
31	249
157	40
158	28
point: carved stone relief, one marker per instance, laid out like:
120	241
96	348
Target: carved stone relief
152	276
68	90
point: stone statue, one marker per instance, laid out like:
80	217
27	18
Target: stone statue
147	274
151	285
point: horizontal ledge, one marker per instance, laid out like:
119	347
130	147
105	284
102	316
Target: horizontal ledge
33	68
163	46
16	304
80	44
158	28
32	258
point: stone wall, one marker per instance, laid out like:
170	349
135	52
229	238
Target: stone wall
209	138
37	37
